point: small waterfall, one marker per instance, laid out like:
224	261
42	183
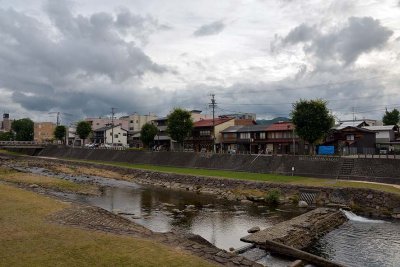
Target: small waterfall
353	217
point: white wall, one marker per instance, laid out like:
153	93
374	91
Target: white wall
120	136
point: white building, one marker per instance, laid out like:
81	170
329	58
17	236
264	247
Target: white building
116	136
385	133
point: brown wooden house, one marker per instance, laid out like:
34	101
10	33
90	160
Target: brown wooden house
352	140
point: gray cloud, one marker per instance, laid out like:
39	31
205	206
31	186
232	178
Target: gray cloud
210	29
345	45
301	33
81	64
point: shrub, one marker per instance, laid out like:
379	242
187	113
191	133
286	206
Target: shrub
294	199
272	197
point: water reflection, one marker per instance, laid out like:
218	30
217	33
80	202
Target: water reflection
221	222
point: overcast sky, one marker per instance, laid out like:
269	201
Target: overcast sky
84	57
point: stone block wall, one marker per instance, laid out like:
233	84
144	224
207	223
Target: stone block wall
376	170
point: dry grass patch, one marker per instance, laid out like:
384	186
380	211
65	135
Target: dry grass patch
79	170
27	239
46	182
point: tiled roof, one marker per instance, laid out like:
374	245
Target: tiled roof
232	129
280	126
209	122
253	128
245	122
381	128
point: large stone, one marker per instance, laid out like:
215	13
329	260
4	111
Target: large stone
302	204
254	229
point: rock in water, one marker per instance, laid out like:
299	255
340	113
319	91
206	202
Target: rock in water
302	204
254	229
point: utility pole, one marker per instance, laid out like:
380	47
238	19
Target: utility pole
112	126
213	105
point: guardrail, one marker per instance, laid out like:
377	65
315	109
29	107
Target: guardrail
19	143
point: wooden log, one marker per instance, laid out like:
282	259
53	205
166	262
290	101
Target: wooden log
281	249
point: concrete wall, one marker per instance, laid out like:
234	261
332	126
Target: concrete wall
378	170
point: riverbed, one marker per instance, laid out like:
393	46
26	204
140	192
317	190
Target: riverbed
359	242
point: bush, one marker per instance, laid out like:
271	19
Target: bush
272	197
294	199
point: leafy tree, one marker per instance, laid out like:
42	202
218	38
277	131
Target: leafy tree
147	133
83	129
6	136
23	129
391	117
312	120
60	132
179	125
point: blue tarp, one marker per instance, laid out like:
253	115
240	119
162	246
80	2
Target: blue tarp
326	150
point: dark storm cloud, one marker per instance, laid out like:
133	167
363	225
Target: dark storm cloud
210	29
358	36
81	63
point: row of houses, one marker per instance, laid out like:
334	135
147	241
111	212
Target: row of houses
234	133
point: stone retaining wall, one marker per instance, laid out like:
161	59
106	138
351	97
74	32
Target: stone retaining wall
378	170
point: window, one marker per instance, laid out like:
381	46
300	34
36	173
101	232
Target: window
115	135
244	135
205	133
262	135
350	137
111	134
131	121
124	134
130	128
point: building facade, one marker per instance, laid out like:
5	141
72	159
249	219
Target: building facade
43	132
5	125
116	136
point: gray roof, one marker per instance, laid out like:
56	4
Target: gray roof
349	123
232	129
253	128
381	128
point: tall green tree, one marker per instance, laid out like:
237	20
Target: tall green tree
180	124
147	134
23	129
391	117
83	129
312	120
6	136
59	132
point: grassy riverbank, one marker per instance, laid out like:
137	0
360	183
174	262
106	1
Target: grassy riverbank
264	177
28	239
57	184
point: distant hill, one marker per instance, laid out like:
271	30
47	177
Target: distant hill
268	122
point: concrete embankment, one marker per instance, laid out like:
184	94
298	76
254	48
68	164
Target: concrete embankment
300	231
375	170
290	237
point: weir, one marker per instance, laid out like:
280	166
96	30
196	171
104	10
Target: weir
290	237
300	231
